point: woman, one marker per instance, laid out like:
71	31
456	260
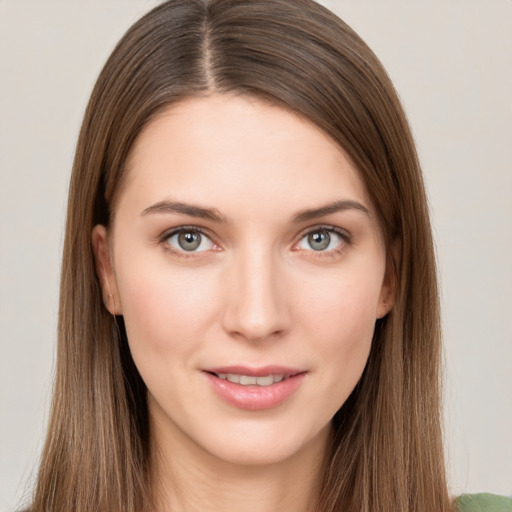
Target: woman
249	312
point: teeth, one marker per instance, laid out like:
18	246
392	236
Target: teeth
248	380
264	381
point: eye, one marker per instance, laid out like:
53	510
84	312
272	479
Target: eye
323	240
189	240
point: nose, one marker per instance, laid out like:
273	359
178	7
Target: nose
256	303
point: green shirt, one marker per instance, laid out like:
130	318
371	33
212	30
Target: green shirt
483	502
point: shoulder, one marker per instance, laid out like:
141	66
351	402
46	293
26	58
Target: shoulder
483	502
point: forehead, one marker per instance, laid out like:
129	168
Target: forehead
237	152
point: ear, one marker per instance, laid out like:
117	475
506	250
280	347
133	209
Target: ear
390	283
104	269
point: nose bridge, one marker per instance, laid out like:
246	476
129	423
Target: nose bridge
256	307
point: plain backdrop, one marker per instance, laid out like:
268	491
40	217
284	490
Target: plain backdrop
451	63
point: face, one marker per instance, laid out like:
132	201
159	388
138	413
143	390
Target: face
249	266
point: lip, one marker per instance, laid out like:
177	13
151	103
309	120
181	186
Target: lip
254	397
254	371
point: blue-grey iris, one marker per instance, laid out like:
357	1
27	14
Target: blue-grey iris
189	241
319	240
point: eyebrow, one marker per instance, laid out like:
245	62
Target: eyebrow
328	209
185	209
214	215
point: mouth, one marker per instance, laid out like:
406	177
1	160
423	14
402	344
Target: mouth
252	380
255	388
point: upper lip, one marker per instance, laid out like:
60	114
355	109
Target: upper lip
253	371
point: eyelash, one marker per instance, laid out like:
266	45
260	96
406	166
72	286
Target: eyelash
344	235
163	240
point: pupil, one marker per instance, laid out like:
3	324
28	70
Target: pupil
189	241
319	241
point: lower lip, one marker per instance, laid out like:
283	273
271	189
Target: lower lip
253	397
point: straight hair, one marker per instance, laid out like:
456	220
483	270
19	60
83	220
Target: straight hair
387	451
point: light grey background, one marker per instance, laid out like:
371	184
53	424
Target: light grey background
451	63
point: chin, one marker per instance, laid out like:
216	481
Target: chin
257	447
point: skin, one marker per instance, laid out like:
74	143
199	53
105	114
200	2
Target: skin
255	292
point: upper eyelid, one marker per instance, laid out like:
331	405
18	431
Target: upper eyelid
346	239
180	229
162	240
325	227
206	232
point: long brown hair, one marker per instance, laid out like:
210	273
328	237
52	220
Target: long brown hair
387	452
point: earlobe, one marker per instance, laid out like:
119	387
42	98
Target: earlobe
385	303
390	283
104	269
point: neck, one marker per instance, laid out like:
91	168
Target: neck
190	480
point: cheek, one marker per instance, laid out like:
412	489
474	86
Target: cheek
341	304
165	309
344	331
339	316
